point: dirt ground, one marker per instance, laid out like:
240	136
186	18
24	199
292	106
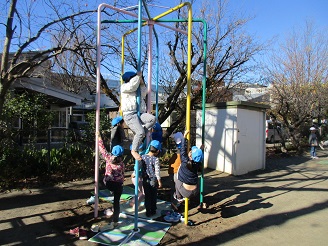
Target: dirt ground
284	204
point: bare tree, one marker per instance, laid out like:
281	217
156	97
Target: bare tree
298	76
25	39
38	35
229	53
77	67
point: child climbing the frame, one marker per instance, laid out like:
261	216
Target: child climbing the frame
186	185
132	81
157	132
117	135
151	176
114	178
174	163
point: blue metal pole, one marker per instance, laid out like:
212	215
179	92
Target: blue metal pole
136	166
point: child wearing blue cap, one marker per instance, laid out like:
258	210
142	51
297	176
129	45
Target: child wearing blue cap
186	185
157	132
114	178
151	176
132	81
174	163
117	134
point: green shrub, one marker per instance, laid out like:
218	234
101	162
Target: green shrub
18	165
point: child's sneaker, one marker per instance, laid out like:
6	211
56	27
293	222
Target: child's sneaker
108	212
109	226
95	228
91	200
168	218
171	218
74	232
176	215
83	234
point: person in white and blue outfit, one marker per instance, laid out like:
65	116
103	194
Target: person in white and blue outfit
313	142
138	125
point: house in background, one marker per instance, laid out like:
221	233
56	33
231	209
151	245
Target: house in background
77	112
71	97
89	102
251	93
69	106
37	81
59	100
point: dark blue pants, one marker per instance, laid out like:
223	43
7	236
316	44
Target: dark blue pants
313	151
150	196
117	189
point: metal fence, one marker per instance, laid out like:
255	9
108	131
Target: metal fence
57	137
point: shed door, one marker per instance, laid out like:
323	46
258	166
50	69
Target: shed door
251	141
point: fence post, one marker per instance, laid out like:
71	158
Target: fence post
48	143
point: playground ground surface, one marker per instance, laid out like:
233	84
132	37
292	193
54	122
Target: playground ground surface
285	204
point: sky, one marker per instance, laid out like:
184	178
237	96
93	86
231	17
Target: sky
272	18
277	18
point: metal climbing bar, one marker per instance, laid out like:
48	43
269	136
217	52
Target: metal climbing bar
151	21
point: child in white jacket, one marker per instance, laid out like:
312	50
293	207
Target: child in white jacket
132	81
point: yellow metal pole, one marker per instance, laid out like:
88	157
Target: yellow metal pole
173	9
188	77
188	95
188	103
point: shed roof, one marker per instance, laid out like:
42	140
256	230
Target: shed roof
236	104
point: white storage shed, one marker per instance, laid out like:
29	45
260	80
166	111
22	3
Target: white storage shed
234	135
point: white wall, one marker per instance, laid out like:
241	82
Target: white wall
220	138
251	141
234	139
